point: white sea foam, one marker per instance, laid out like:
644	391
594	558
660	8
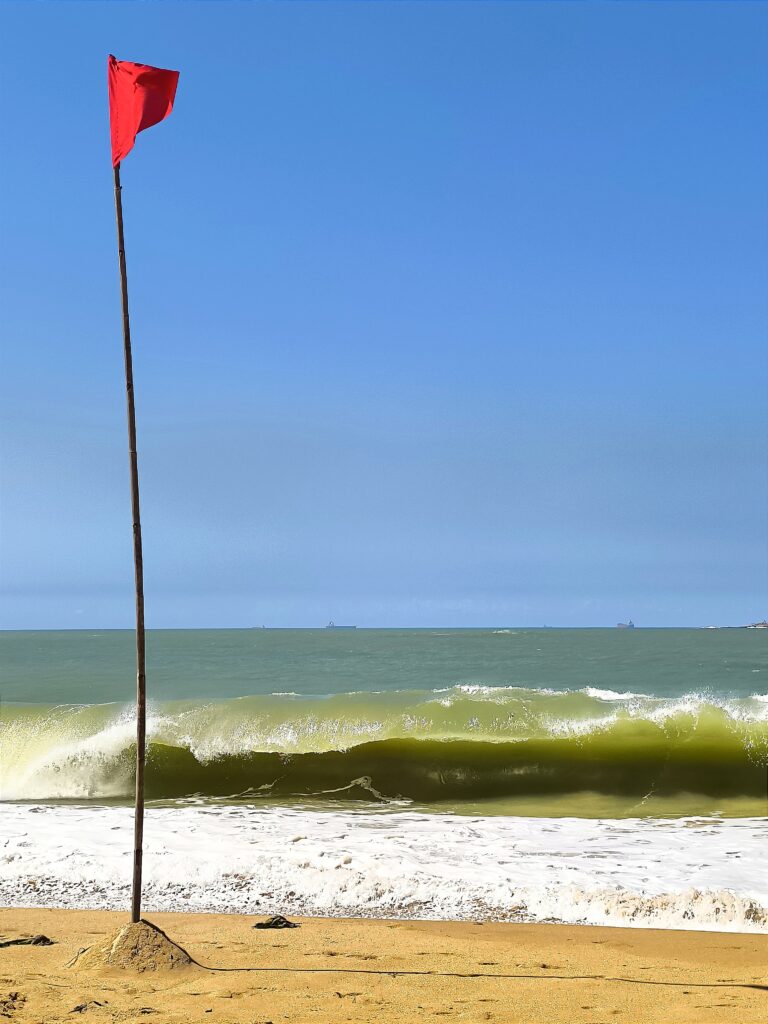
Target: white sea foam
594	691
696	873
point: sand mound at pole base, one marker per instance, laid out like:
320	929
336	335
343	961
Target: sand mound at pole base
136	947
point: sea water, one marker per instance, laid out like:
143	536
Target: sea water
604	776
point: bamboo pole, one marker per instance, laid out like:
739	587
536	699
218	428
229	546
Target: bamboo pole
138	562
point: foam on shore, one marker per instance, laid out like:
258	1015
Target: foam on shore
694	873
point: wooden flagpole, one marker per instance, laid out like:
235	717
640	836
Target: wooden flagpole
138	562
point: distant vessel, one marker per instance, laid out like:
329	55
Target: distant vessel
625	625
332	625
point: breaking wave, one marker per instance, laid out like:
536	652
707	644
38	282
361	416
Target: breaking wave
462	743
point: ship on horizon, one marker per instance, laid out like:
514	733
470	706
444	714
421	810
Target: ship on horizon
625	625
332	625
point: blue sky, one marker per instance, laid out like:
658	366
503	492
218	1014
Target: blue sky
443	313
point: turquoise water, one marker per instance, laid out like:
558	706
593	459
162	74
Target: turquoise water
98	666
548	722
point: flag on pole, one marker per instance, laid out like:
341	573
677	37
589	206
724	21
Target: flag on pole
139	96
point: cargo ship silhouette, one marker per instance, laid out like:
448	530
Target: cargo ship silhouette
332	625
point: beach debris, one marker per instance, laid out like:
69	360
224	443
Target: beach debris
138	946
277	921
10	1003
82	1007
28	940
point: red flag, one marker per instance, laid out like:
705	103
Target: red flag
139	96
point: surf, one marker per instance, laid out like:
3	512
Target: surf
463	743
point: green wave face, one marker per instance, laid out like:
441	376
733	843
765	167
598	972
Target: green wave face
465	747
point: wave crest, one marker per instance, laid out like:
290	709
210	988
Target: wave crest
464	743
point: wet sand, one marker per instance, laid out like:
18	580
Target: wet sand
360	971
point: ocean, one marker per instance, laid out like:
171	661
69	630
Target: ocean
581	775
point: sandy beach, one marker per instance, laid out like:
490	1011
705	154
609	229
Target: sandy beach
352	970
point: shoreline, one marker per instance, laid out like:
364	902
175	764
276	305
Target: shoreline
333	970
697	874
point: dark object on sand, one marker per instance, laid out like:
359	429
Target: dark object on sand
31	940
278	921
11	1003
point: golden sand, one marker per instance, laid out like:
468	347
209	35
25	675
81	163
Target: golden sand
136	948
383	971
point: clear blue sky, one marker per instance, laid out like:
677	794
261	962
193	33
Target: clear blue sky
443	313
